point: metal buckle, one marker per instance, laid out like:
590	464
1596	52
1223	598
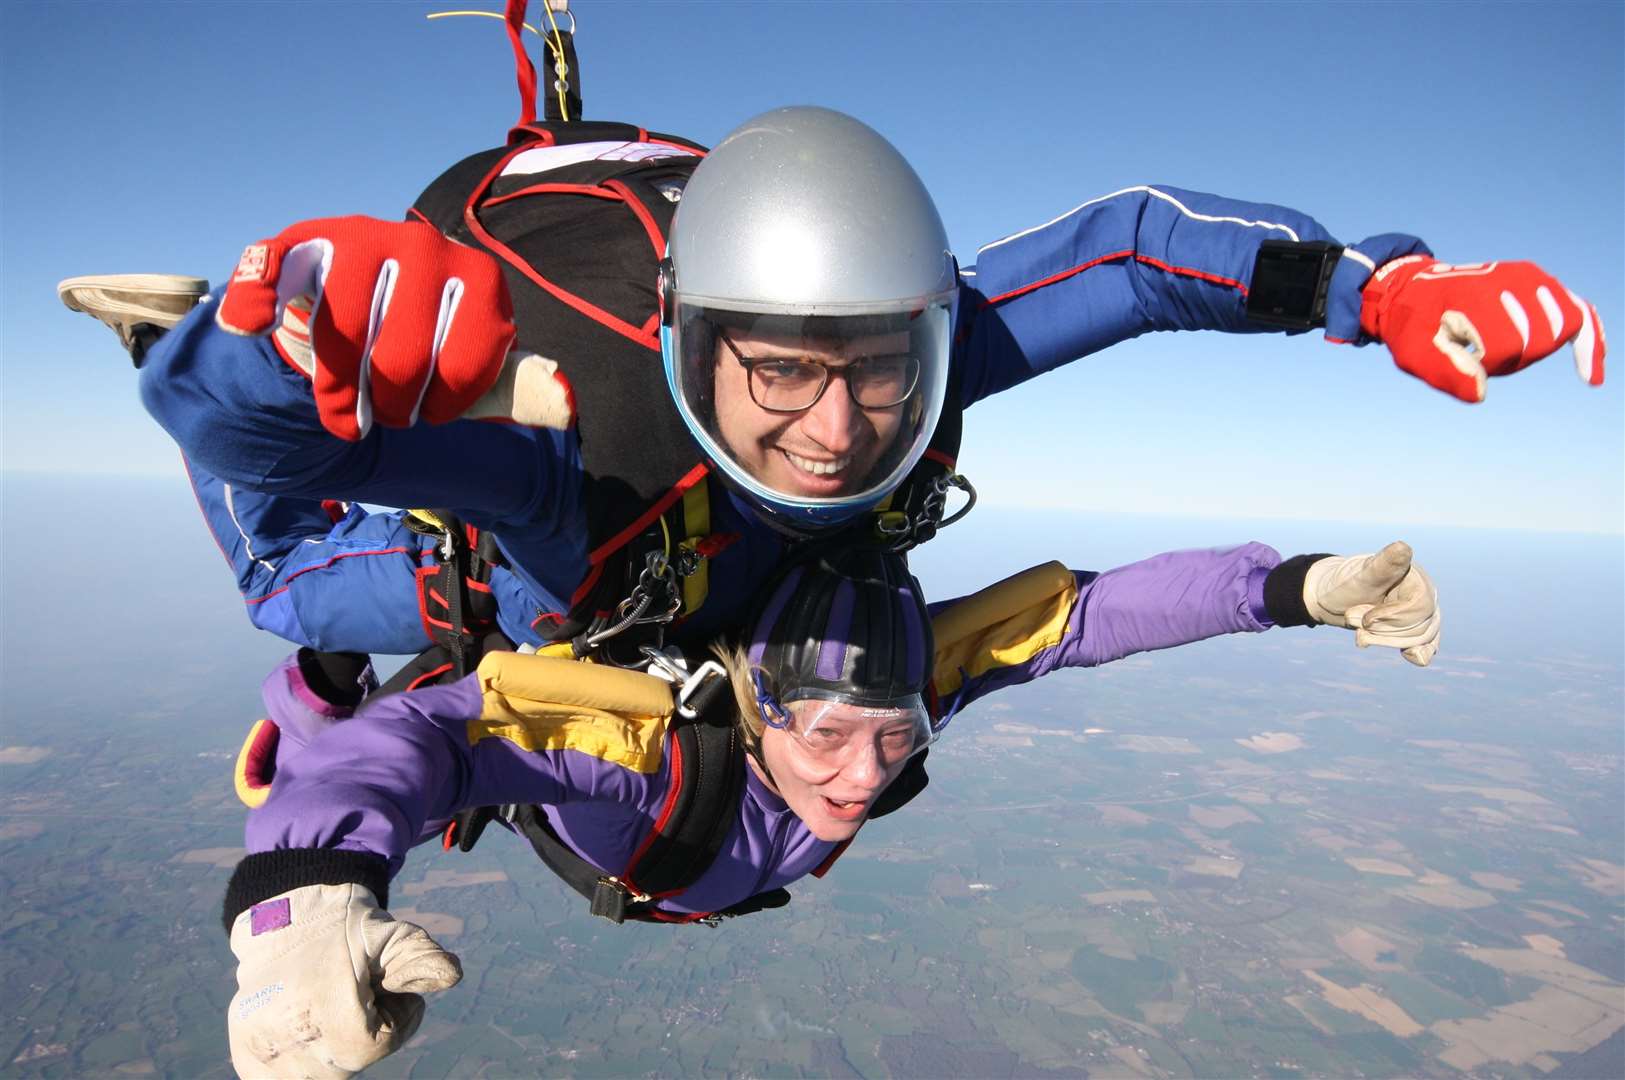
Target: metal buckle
692	686
611	896
665	665
613	882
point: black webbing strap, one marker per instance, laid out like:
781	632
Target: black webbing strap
470	629
711	786
453	567
576	872
561	53
707	768
605	898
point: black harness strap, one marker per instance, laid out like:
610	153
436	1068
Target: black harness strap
708	776
454	587
453	567
707	763
564	77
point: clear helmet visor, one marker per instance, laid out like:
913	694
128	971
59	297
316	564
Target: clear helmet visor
834	733
815	416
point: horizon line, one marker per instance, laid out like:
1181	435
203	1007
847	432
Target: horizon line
995	503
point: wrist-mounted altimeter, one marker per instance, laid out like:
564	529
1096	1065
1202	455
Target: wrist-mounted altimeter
1289	284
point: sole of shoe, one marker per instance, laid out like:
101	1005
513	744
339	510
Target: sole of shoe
128	299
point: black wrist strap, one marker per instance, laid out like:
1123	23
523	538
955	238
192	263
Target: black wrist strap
335	677
1290	282
1283	591
270	873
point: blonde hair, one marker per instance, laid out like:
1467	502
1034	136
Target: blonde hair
736	662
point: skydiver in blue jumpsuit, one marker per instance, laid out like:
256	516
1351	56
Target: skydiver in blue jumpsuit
268	456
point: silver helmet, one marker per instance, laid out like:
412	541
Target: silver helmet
805	319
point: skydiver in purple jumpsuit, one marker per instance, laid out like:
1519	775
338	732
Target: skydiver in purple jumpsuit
843	677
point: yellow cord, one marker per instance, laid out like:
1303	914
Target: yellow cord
561	70
485	14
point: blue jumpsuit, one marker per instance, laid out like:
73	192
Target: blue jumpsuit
1142	259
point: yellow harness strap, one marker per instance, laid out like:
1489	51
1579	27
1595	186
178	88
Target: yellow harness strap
1005	624
696	525
551	703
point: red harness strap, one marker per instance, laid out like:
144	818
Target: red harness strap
525	71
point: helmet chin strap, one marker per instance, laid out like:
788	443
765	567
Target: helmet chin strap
794	529
753	753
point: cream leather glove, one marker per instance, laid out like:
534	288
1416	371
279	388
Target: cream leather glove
328	983
1384	598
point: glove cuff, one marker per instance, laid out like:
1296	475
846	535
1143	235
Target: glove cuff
338	678
1345	298
1283	591
271	873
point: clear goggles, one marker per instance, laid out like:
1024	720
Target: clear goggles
836	733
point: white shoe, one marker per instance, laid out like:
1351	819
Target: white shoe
137	307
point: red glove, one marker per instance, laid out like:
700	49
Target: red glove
404	322
1450	326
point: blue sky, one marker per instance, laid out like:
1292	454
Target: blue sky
148	137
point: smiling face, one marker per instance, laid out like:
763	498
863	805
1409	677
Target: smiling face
832	788
824	451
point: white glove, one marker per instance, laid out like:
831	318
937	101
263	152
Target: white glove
1383	598
328	983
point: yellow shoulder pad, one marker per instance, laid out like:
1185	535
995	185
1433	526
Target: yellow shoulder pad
1004	624
549	703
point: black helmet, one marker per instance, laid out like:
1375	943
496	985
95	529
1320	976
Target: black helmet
847	626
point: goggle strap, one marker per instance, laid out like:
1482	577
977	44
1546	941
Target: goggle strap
767	705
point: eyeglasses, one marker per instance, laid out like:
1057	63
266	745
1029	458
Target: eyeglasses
791	384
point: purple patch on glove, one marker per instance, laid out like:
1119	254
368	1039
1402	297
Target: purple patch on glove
271	915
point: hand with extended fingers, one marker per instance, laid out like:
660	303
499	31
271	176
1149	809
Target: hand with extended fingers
392	323
1453	325
1384	598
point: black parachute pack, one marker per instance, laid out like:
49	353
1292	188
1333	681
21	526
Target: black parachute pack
580	238
577	214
